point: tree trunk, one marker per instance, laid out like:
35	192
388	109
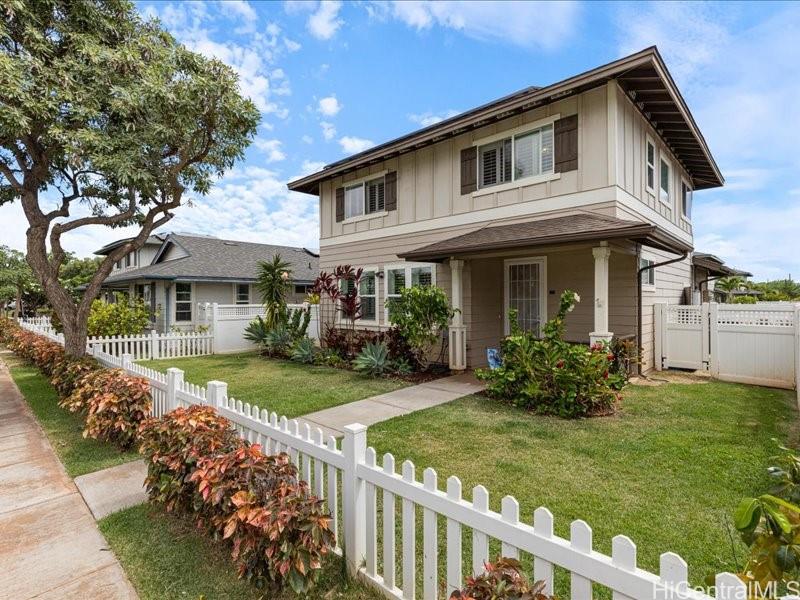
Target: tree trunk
18	304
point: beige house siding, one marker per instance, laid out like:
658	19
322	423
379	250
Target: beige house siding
428	180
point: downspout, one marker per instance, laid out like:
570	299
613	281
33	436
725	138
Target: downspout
705	281
639	296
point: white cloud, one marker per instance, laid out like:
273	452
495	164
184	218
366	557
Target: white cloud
328	130
291	45
354	145
240	9
430	118
307	139
329	106
546	25
272	149
293	7
310	166
324	23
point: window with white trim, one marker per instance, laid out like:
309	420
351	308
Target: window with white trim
368	293
650	159
665	187
242	293
365	198
649	276
686	200
398	277
183	302
128	259
516	157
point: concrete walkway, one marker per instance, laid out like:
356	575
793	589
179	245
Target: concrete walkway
393	404
50	546
114	488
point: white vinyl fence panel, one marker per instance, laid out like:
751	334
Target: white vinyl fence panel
353	475
746	343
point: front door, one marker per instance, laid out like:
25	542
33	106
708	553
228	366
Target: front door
525	282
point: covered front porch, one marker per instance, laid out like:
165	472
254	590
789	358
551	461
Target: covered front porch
527	266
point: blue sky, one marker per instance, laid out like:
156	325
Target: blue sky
334	78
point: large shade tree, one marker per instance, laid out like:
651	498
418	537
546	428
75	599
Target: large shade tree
106	120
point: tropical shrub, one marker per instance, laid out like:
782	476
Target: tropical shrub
420	314
172	447
274	282
257	330
114	405
123	317
501	580
373	359
278	529
278	340
69	371
743	300
550	375
625	356
304	351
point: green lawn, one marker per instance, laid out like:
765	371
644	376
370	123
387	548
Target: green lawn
667	471
287	388
64	429
165	558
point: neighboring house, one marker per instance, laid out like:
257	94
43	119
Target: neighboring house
706	269
577	185
173	273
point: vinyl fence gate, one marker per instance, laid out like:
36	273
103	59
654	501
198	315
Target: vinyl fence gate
757	344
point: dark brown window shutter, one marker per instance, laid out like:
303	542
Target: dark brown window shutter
469	170
390	184
565	140
339	204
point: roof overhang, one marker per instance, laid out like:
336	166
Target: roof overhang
643	77
547	232
716	267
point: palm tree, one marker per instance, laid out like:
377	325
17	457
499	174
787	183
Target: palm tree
729	284
274	282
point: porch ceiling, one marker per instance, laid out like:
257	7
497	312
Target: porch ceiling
557	230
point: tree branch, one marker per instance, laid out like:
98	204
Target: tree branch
9	174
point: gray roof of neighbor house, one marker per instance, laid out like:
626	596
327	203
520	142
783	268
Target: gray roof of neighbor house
156	238
716	266
212	259
556	230
644	78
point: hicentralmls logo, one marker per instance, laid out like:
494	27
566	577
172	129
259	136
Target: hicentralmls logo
753	589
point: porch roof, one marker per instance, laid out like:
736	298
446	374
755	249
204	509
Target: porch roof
715	266
543	232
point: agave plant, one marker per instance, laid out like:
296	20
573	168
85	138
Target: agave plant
304	351
373	359
257	331
278	341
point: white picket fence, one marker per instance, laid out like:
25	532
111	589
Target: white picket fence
353	474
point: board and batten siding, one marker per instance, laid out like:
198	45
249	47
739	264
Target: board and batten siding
429	179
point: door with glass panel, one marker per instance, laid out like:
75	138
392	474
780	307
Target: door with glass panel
525	293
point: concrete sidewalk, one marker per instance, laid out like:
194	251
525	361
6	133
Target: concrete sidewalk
50	546
393	404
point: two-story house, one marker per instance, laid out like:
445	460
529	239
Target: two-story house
173	273
585	184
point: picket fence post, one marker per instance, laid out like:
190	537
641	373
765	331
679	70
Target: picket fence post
154	346
174	381
215	392
127	361
658	336
711	329
354	498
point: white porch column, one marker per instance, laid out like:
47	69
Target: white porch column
601	333
458	333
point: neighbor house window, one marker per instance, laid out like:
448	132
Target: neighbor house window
363	198
128	259
516	157
651	166
183	301
242	293
686	200
302	289
665	194
649	276
403	276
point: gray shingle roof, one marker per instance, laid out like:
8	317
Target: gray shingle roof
222	260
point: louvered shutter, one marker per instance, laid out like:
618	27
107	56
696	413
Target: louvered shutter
390	191
339	205
469	170
565	132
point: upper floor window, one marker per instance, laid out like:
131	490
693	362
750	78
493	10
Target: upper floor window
364	198
516	157
651	166
183	301
665	189
686	200
129	259
242	293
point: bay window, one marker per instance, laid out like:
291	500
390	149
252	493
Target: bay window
516	157
365	198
